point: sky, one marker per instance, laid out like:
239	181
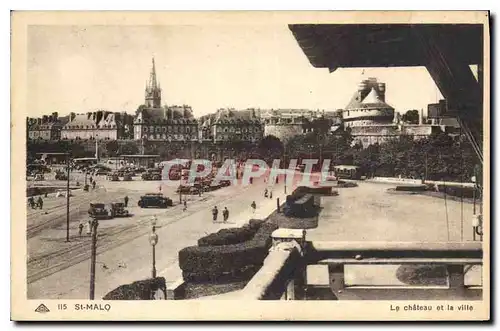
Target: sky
85	68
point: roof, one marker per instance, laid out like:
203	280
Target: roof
372	100
384	45
140	156
345	167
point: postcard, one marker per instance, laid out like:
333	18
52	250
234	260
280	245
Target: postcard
251	166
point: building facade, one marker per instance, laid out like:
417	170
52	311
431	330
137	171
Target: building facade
99	125
44	128
168	123
231	125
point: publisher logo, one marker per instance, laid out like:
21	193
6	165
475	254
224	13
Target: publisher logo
42	309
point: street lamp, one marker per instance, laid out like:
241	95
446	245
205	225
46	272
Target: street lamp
153	240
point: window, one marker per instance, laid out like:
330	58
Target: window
164	129
145	129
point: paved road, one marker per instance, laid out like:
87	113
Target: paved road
124	252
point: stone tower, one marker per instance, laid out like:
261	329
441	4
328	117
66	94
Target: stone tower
153	90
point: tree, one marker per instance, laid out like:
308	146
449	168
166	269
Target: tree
411	116
112	148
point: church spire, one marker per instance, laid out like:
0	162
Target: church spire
153	90
152	77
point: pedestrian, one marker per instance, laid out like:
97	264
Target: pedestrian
89	227
80	229
254	206
271	195
91	179
185	205
40	202
215	211
46	194
265	193
93	185
199	191
31	202
125	200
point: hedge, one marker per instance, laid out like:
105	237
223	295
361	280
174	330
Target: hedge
411	188
231	236
201	263
458	191
140	290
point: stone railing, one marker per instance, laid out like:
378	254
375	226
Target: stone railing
283	274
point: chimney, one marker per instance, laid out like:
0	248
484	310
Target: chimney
71	116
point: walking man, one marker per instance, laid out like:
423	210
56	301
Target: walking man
80	229
215	211
225	214
125	200
271	194
40	202
31	202
93	185
185	205
254	206
89	227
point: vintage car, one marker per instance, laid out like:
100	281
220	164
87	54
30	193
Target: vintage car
188	189
154	200
118	210
99	172
152	174
114	177
127	176
61	176
98	211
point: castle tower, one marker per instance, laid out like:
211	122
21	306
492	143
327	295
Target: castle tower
153	90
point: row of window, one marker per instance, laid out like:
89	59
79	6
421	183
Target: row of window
233	130
175	129
72	127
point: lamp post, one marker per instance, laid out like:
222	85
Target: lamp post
67	197
153	240
93	253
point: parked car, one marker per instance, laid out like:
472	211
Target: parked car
99	172
98	211
154	200
113	177
151	174
118	210
127	176
61	176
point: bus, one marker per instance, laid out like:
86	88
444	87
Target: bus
347	172
84	162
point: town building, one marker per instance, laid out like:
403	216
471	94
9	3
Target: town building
168	123
45	128
98	125
232	125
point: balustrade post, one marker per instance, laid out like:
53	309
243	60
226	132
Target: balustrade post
336	275
456	277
